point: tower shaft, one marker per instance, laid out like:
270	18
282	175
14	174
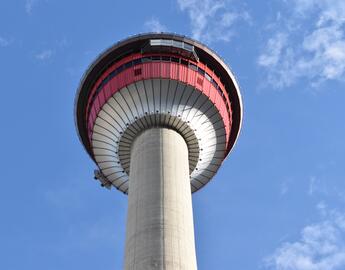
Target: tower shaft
160	231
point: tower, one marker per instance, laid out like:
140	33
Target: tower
158	113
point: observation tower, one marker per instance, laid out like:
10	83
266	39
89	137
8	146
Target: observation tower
158	113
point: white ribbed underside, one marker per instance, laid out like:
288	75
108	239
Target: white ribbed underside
159	102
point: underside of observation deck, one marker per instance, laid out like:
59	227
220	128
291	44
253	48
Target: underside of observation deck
158	80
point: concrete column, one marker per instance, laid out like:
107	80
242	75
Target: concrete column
160	231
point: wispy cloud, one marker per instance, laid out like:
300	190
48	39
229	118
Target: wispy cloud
212	20
44	55
4	42
273	50
320	247
29	4
154	25
296	51
313	186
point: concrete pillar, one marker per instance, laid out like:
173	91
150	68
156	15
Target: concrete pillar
160	231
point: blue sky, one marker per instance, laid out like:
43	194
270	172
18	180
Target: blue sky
277	202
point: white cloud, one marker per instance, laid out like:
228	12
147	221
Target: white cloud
211	20
4	42
154	25
321	246
29	5
273	52
312	186
44	55
316	52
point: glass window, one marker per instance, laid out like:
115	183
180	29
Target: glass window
119	69
137	72
156	58
192	66
105	80
201	71
128	65
166	42
214	84
184	62
177	44
175	59
188	47
136	61
146	59
208	77
166	58
155	42
112	74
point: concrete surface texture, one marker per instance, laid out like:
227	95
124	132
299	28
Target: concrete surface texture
160	231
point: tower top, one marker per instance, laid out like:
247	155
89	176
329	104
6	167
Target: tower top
158	79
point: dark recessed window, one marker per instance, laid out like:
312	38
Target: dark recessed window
115	72
201	71
146	59
184	62
192	66
106	80
112	74
137	72
119	69
175	59
128	65
156	58
166	58
214	84
137	61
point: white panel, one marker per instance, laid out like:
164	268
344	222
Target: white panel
142	95
100	137
149	93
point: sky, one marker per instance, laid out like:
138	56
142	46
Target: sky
278	201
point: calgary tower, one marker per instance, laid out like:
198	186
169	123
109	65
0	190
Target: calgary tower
158	113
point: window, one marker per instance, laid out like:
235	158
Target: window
105	80
119	69
166	58
192	66
184	62
175	59
177	44
214	84
208	77
188	47
155	42
136	62
146	59
166	42
156	58
128	65
201	71
112	74
137	72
